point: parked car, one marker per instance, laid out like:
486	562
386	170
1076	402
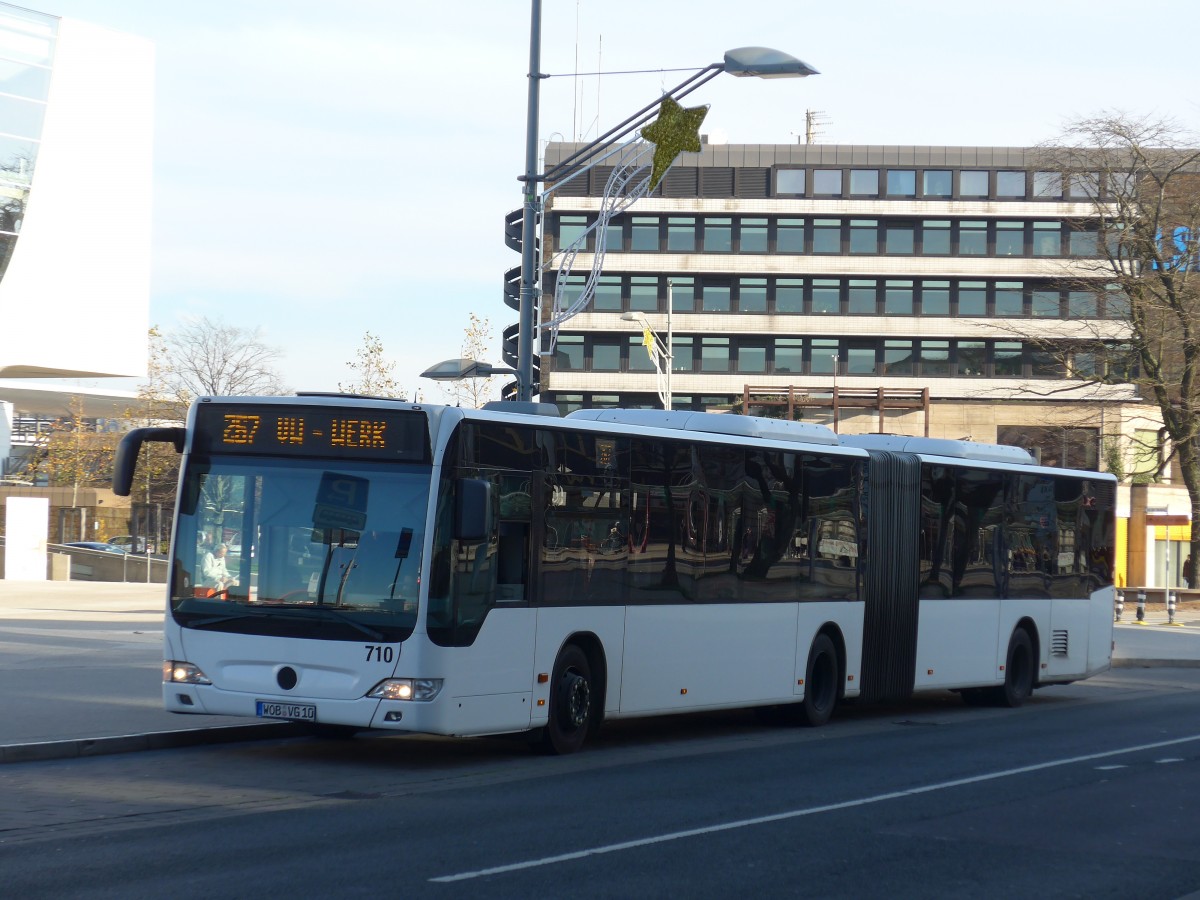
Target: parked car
95	545
125	543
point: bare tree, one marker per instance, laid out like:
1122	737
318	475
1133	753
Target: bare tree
1141	178
373	371
207	358
474	392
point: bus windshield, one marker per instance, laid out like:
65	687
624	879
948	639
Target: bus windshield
300	547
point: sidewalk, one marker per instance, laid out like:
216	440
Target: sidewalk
81	670
81	674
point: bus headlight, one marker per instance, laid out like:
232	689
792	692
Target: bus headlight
423	689
178	672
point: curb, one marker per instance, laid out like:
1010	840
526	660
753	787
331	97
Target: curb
159	740
1155	664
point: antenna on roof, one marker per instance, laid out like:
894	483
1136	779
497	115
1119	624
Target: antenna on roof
813	119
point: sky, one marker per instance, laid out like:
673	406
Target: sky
327	169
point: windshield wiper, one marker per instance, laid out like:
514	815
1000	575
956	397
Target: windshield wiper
340	615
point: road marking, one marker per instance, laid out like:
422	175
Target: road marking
1110	768
1169	759
800	813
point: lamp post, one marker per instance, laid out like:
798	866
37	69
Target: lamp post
662	350
758	62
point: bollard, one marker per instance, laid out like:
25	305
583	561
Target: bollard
1141	610
1120	604
1170	607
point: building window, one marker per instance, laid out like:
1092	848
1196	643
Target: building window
752	358
639	356
1010	238
901	183
972	183
568	403
752	295
1044	364
1047	185
1083	185
1010	298
1083	243
789	181
864	182
789	295
900	238
608	294
860	358
606	355
972	238
681	235
715	298
935	298
1045	304
643	235
614	235
643	293
972	298
571	229
864	236
789	356
827	236
681	354
935	358
605	401
789	236
823	358
1047	239
572	287
683	294
718	235
568	353
1082	305
752	236
826	296
937	183
1010	185
827	182
714	354
862	297
898	298
935	237
972	358
897	357
1006	359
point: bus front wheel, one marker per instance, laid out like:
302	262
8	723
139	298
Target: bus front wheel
571	700
821	682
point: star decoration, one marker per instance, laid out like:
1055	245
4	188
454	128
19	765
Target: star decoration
675	130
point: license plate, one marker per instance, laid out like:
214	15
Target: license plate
299	712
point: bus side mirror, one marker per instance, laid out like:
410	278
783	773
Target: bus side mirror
131	445
473	510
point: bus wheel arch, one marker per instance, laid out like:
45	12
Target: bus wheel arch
577	687
823	676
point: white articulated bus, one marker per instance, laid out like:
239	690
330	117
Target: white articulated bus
439	570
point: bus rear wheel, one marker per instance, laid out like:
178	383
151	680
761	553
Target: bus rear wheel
821	682
571	700
1018	672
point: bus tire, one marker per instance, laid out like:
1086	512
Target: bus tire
1018	671
821	682
571	700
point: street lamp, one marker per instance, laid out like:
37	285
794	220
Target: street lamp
759	62
661	352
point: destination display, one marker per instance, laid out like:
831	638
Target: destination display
285	430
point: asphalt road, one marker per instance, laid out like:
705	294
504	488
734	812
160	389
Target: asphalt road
1088	791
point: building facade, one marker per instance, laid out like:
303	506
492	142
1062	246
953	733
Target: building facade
918	290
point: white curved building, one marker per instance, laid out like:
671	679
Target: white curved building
76	137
